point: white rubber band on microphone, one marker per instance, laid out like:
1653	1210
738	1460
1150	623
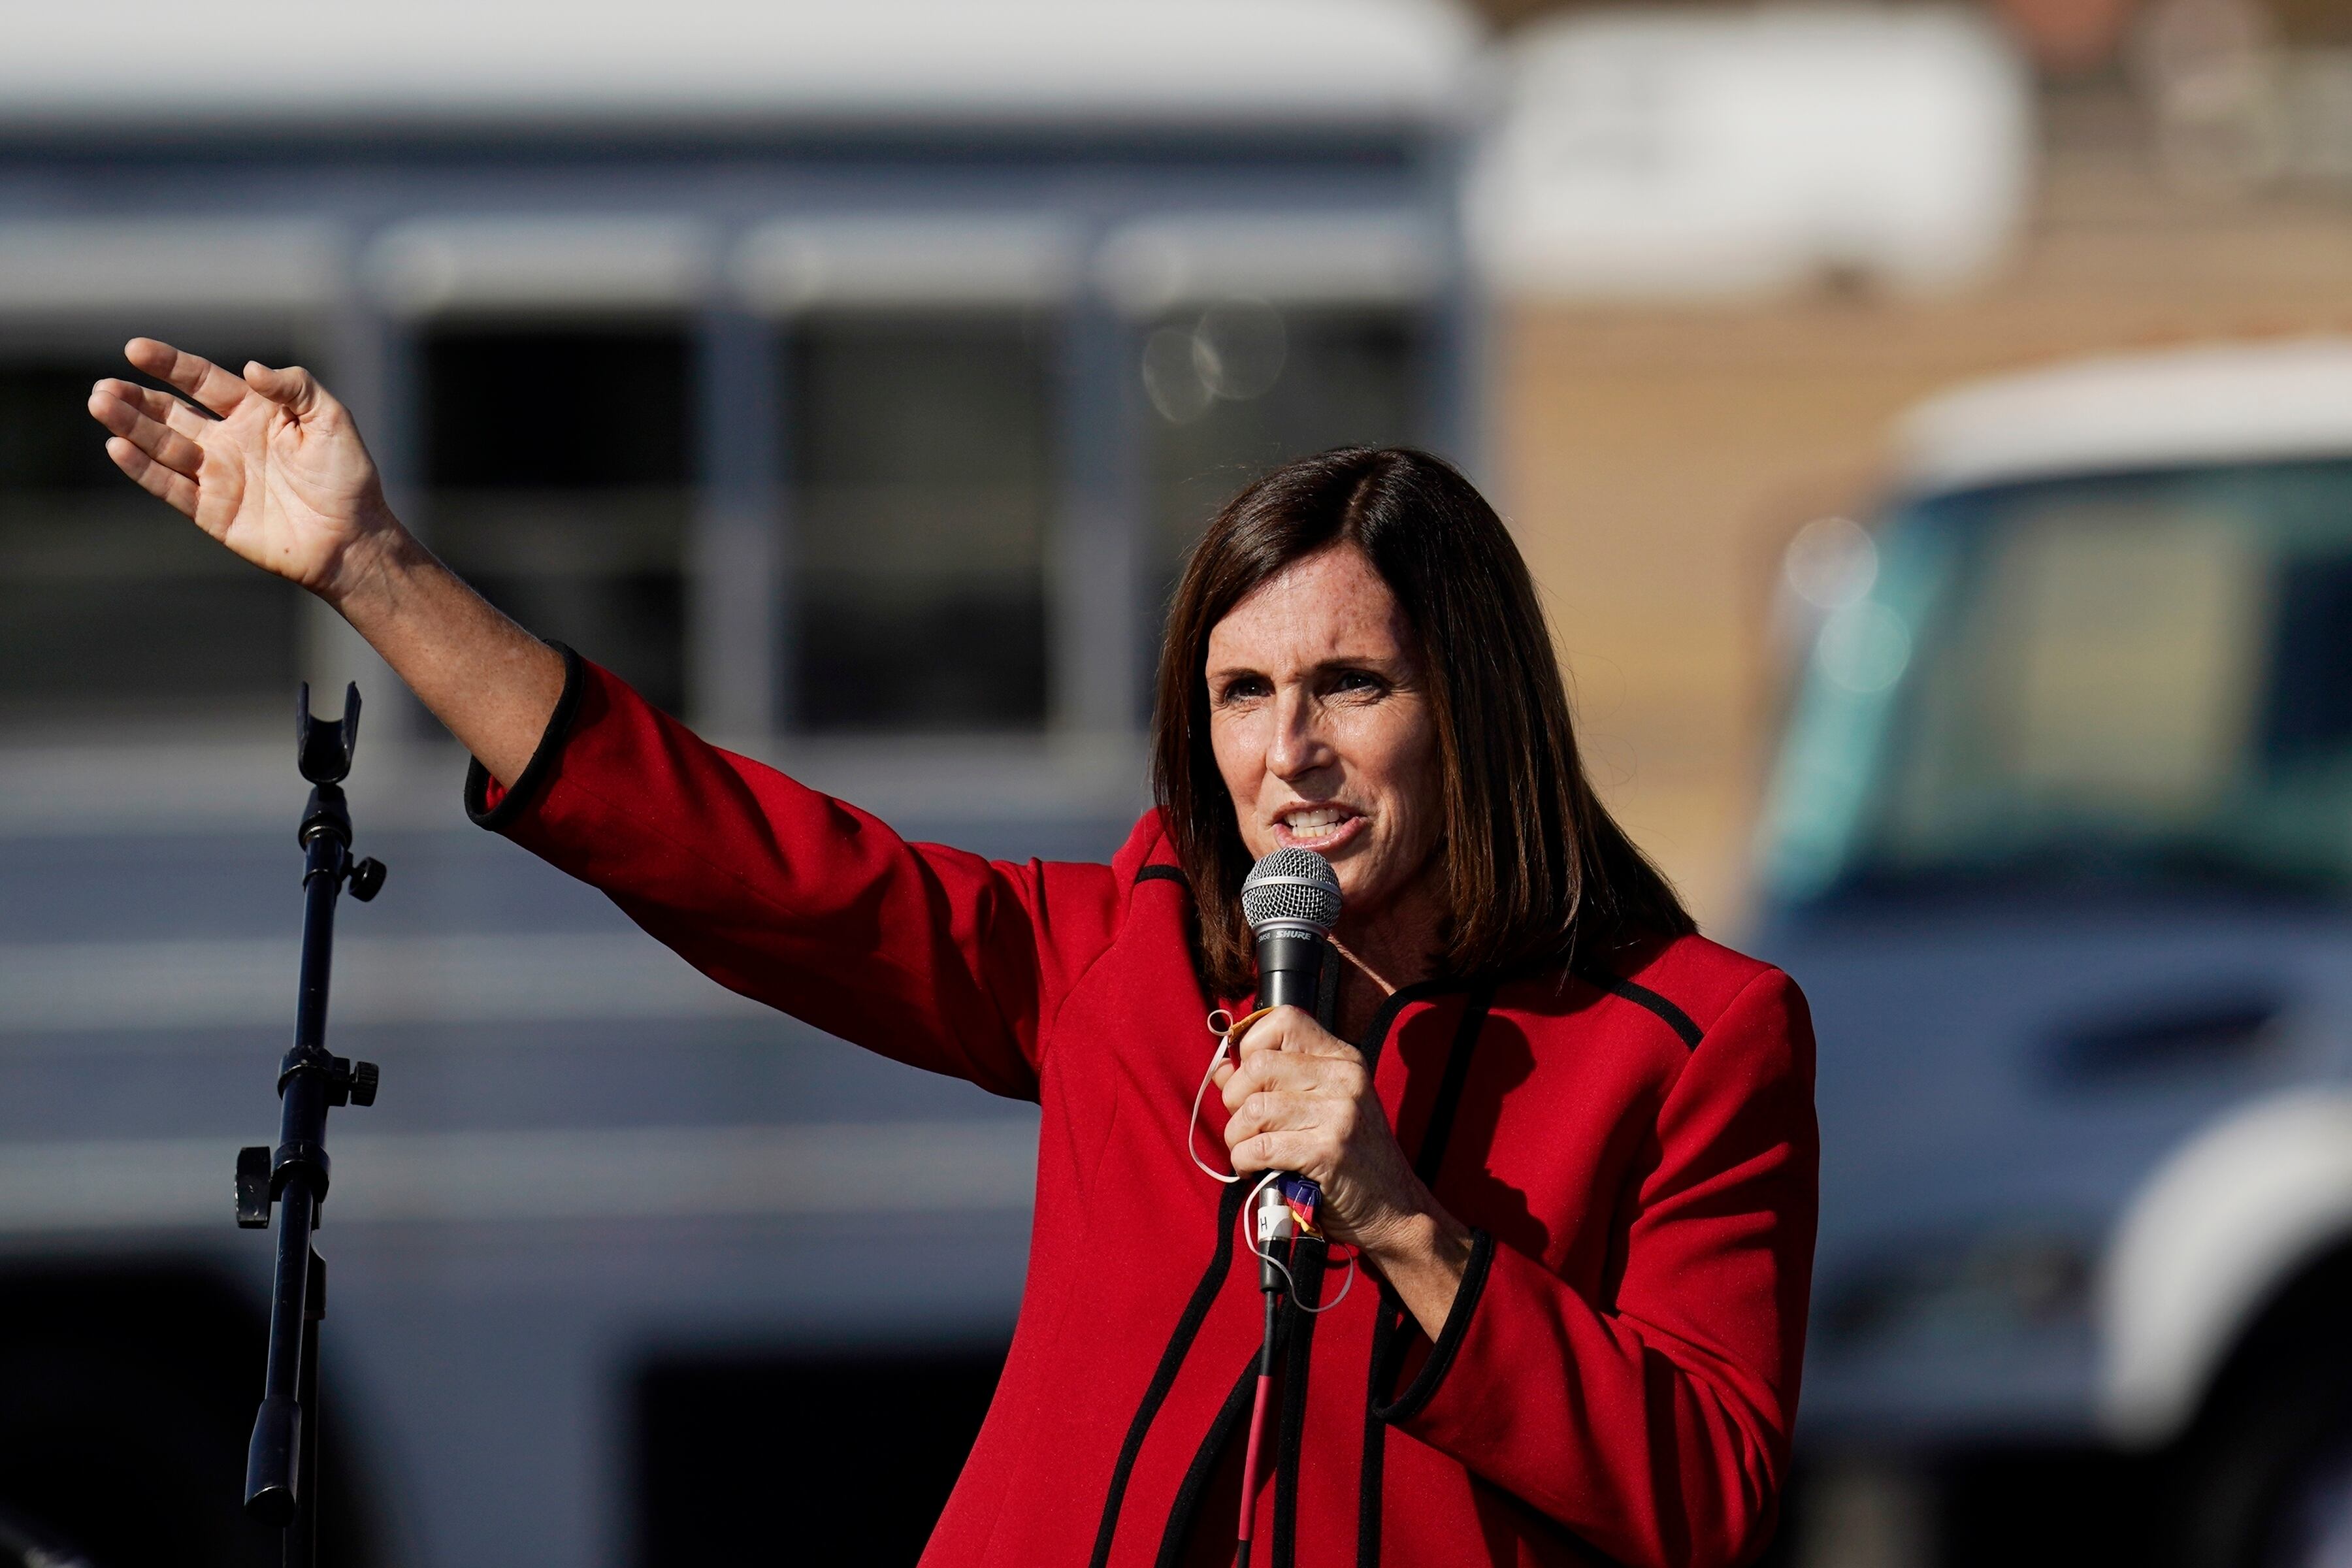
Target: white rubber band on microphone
1192	1123
1228	1032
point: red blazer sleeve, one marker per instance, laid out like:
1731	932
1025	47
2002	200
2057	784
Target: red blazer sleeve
933	956
1656	1426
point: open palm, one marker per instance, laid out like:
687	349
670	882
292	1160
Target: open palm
281	477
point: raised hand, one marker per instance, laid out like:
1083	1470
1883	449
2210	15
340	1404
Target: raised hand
281	477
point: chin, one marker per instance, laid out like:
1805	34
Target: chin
1359	881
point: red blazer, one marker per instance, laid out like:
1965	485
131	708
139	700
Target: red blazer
1634	1145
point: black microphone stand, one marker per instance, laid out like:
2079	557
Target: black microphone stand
281	1467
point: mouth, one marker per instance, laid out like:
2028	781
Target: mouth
1321	828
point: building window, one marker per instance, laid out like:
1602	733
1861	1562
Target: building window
922	476
111	605
1234	390
557	463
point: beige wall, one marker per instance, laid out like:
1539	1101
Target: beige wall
1654	461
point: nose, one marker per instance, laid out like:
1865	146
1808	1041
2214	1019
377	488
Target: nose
1298	746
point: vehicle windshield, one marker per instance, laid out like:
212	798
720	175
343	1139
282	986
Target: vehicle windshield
2119	680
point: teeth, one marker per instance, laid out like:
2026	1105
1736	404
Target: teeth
1316	820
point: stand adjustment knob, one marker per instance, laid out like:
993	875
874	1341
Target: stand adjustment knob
350	1082
367	881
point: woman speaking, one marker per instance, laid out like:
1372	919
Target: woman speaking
1569	1141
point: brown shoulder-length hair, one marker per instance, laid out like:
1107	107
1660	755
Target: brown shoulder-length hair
1536	871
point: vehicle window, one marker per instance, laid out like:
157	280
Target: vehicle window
921	475
2106	662
111	605
2128	679
558	465
1234	389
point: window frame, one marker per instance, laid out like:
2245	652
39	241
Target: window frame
737	263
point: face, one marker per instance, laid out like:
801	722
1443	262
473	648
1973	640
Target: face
1322	728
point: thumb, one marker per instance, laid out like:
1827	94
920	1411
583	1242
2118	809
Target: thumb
294	389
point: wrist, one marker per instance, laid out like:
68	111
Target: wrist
368	569
1423	1255
1415	1237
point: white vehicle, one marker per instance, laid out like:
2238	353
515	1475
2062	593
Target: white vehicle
2060	844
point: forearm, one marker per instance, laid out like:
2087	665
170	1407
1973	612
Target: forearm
492	682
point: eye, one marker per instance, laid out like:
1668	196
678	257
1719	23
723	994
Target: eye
1244	688
1362	682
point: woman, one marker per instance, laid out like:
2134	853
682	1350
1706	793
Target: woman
1570	1141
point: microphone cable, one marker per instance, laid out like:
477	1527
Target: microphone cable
1265	1217
1290	900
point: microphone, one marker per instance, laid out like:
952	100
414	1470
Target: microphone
1291	900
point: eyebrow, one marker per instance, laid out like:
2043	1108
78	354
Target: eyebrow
1358	661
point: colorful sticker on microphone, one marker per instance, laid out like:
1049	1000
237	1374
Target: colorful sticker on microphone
1304	1197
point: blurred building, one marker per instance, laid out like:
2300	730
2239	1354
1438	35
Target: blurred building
2093	177
852	380
829	377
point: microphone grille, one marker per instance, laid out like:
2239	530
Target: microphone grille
1291	887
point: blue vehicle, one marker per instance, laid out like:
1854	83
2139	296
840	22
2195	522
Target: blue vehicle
894	354
2060	844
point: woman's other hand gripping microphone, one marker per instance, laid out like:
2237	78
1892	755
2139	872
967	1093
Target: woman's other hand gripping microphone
1299	1099
1291	900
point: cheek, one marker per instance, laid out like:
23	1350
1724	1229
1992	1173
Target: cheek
1405	754
1241	763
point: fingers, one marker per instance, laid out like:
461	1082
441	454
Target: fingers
153	477
143	430
1254	1118
1260	1152
1289	1051
1304	1151
1332	1120
1325	1076
294	389
159	406
1289	1029
192	373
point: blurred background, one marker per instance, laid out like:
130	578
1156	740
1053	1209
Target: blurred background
1931	428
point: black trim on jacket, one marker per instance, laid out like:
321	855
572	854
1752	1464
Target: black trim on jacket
1190	1493
1423	1386
542	757
1616	984
1171	1361
1388	1344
